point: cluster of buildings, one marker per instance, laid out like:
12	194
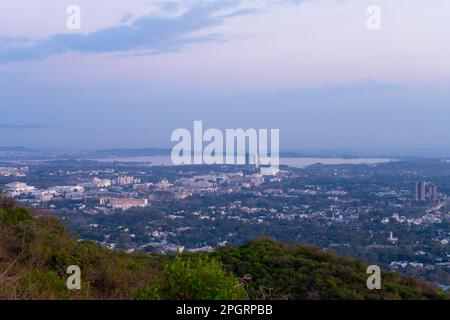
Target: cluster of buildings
116	193
15	189
13	172
119	181
124	203
425	191
26	192
106	191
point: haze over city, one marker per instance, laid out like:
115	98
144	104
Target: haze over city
137	70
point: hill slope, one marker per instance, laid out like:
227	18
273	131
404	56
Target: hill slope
35	252
289	271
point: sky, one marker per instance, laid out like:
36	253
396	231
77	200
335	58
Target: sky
136	70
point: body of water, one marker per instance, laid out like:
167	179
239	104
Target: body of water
292	162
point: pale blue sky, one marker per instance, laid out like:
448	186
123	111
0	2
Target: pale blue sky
139	69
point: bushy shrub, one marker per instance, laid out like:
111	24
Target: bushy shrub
194	278
13	216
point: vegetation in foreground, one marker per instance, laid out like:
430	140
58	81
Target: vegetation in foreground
35	251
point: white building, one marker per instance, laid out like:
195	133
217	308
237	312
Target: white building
124	204
14	189
101	183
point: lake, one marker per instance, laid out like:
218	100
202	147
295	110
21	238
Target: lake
292	162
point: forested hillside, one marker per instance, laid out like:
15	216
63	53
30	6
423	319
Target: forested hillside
35	251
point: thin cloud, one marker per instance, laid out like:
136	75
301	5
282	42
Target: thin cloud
150	33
